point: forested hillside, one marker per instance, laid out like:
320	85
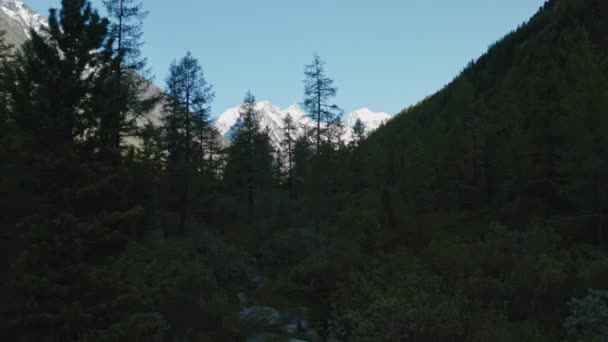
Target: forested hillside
478	214
490	197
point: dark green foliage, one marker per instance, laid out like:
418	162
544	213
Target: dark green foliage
249	165
476	215
519	137
288	154
53	86
126	84
359	130
318	90
191	141
588	318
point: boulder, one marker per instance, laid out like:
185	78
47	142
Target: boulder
243	299
259	281
290	329
263	337
295	316
260	316
312	336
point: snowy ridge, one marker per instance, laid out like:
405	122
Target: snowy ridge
271	118
371	120
24	16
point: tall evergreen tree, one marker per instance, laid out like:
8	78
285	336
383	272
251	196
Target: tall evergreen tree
8	186
207	135
54	85
302	152
5	56
71	219
359	131
318	90
128	82
249	165
290	131
188	125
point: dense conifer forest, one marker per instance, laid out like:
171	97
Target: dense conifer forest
479	214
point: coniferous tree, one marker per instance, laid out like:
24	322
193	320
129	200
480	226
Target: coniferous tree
128	81
207	136
5	56
318	90
334	133
53	82
8	186
213	151
249	165
302	153
71	220
290	132
5	71
359	131
188	126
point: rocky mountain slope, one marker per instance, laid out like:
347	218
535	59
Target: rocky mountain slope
16	19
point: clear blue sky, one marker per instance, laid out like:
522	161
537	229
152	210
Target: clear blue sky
382	54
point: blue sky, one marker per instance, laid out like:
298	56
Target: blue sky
382	54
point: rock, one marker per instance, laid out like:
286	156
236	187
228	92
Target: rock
295	316
290	329
260	316
243	299
259	281
312	336
263	337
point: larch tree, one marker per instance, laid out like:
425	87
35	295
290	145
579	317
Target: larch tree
187	123
318	91
75	215
128	70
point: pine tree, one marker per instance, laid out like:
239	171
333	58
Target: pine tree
54	85
359	131
249	166
302	153
75	216
126	31
290	132
207	137
334	133
8	186
5	71
318	90
128	82
188	126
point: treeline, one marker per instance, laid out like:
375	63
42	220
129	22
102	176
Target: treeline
485	204
116	228
476	215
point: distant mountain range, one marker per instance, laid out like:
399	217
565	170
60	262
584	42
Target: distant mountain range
16	19
271	118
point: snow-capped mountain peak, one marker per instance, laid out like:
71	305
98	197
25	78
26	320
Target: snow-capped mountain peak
372	120
271	118
25	17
